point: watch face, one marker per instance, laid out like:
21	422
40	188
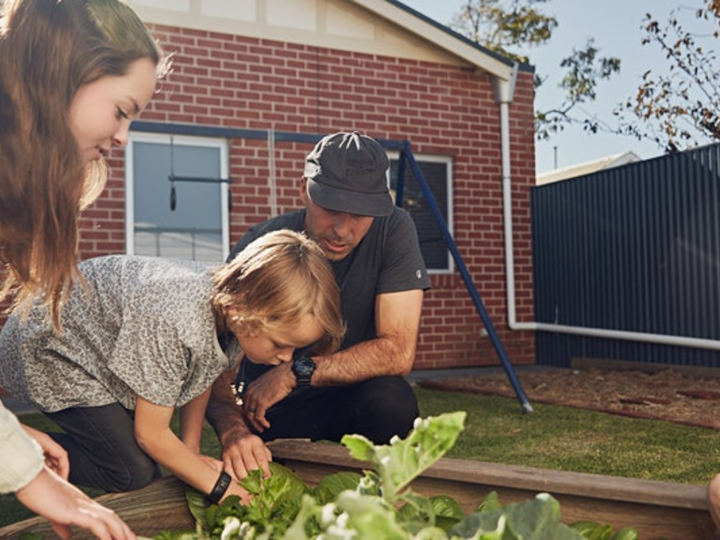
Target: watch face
303	366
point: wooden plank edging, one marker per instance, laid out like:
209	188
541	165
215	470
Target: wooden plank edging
514	476
658	510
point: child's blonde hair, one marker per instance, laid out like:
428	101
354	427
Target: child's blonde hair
278	279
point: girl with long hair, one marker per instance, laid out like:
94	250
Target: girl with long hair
73	75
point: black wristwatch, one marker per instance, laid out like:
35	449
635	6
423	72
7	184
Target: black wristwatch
303	367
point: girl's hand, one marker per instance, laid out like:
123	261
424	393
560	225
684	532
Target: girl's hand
56	458
234	488
65	506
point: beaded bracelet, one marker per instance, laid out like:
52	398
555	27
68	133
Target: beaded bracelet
221	486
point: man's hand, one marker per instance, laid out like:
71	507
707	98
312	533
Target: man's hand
244	452
264	392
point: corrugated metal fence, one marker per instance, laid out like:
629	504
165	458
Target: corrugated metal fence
634	248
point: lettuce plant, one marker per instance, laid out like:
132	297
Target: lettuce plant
379	505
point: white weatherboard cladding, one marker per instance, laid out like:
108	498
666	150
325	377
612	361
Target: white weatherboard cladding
350	25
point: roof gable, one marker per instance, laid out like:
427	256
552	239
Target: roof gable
380	27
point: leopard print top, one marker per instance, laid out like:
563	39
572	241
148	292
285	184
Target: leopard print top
138	326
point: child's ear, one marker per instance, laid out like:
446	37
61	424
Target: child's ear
239	324
243	329
252	332
233	319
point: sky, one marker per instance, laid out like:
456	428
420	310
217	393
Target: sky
615	26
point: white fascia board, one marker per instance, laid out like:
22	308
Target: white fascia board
444	40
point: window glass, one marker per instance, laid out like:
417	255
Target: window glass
437	174
185	218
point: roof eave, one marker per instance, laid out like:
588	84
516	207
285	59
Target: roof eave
441	36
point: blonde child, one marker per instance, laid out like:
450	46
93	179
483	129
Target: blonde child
143	336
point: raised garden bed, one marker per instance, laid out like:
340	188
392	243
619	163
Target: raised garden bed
656	509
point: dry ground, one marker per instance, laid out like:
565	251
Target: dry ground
667	394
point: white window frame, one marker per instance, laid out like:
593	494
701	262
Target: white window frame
448	161
162	138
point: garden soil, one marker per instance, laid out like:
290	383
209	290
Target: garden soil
667	394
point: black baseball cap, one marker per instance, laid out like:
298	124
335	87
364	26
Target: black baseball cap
346	172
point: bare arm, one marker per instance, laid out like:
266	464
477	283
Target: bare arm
56	458
154	436
192	416
392	352
223	413
66	506
243	451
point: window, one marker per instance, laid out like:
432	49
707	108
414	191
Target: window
437	172
197	227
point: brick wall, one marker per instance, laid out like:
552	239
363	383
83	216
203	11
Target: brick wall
231	81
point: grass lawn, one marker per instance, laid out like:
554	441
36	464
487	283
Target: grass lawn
553	437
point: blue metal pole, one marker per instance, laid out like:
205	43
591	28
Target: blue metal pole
400	187
406	153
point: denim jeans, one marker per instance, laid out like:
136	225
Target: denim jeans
101	445
377	408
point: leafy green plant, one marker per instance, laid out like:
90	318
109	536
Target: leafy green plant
379	505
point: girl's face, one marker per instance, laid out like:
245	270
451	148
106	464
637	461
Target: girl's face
101	112
274	347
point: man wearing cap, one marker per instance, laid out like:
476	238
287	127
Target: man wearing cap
373	248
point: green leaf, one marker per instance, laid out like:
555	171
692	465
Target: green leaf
196	503
360	447
490	502
165	535
347	506
400	462
431	533
332	485
446	506
276	500
417	514
306	519
536	519
626	533
366	516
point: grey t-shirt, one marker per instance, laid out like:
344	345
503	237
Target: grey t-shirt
141	326
387	260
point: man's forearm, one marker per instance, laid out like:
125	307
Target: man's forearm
374	358
391	353
223	413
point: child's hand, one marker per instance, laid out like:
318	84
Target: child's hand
215	464
236	489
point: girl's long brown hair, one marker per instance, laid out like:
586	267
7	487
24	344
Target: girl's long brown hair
48	50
